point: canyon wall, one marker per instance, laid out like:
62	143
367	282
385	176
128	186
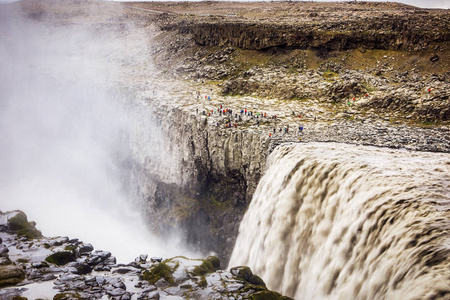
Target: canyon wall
217	171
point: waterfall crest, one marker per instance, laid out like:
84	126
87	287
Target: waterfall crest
336	221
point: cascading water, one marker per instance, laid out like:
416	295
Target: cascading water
335	221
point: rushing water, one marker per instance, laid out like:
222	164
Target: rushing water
335	221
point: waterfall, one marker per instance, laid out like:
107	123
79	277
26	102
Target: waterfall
336	221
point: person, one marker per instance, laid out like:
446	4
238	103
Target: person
270	135
274	130
314	118
235	125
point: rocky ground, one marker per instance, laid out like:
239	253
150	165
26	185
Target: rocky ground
358	73
33	266
393	93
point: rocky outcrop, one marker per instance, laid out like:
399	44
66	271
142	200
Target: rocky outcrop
94	274
217	172
327	28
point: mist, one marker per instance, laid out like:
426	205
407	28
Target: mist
65	133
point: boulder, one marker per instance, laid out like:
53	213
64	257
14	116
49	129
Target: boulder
11	275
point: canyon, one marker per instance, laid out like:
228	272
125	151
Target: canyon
220	85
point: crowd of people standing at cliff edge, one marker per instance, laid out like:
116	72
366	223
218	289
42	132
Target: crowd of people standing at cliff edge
230	118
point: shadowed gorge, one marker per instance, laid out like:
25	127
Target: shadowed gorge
303	144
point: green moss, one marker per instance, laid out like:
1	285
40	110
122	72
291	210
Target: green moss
202	283
64	296
243	272
204	268
329	74
22	260
70	248
267	295
157	272
19	298
256	280
20	225
61	258
215	261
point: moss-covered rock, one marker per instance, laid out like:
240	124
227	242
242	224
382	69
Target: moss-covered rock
20	225
61	258
157	272
205	268
215	261
268	295
11	275
242	272
67	296
256	280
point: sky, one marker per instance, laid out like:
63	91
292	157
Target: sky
419	3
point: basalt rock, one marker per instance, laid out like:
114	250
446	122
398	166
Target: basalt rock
171	277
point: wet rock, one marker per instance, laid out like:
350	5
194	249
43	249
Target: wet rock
156	259
11	275
80	268
434	58
3	251
61	258
85	248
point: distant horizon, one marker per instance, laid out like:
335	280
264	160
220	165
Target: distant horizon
442	4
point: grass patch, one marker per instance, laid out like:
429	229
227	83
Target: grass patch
157	272
20	225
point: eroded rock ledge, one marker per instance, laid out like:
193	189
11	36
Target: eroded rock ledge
71	269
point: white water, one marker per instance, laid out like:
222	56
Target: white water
66	131
335	221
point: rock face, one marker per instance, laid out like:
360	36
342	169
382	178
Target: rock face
217	173
326	27
74	278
